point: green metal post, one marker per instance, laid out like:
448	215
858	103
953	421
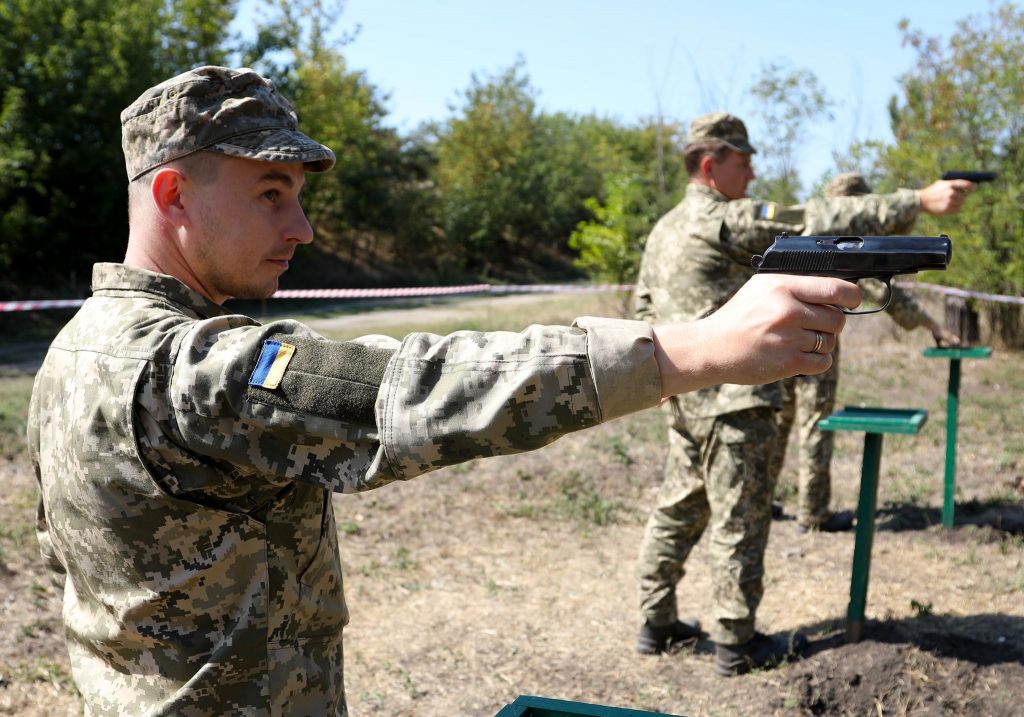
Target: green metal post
864	537
952	409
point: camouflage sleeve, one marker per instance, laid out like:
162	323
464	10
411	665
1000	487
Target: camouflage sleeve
290	405
276	402
863	214
751	225
903	307
448	399
47	550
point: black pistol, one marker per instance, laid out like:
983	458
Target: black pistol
854	257
975	177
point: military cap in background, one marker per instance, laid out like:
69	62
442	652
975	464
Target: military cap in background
847	184
217	109
721	126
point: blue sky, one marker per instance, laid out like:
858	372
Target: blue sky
624	59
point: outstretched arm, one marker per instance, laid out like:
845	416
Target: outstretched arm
768	331
945	196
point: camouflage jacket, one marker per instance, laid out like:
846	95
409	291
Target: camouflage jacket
904	309
186	459
698	255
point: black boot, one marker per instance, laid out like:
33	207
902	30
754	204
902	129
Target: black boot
835	523
760	652
654	640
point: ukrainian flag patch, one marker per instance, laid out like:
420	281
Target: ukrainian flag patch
768	210
272	363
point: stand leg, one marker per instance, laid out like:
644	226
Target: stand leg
952	409
865	536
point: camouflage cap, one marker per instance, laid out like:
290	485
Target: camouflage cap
232	111
847	184
721	126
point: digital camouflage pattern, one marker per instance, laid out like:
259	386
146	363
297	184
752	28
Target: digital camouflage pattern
809	399
846	184
712	483
805	401
723	127
217	109
696	257
188	513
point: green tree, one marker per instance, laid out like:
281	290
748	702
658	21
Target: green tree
66	72
491	194
362	203
513	181
960	108
641	182
611	243
788	100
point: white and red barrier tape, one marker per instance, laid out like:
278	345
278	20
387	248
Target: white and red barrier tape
41	304
379	293
6	306
963	293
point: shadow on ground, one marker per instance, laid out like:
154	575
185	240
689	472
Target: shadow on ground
974	520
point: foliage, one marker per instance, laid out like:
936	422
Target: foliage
787	100
610	244
66	72
960	108
368	191
513	181
641	181
491	189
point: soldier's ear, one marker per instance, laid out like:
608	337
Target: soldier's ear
166	192
706	164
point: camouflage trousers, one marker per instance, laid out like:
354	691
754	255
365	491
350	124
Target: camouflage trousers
717	478
807	400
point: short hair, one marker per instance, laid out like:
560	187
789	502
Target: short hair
201	167
694	152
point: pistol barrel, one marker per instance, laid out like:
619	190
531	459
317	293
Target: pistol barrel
971	176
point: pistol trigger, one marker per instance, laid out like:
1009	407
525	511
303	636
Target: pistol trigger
888	294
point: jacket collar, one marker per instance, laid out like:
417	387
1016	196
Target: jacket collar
113	279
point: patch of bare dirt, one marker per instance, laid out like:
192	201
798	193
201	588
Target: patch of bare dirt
927	674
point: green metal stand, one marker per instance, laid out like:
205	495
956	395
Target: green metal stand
952	410
874	422
527	706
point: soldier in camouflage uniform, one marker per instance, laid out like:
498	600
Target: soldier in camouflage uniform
186	456
808	399
723	439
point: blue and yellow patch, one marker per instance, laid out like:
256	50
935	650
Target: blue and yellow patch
767	211
271	365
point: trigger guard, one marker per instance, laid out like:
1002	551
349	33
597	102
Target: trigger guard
888	300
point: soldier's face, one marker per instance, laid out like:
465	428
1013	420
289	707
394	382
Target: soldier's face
732	175
247	225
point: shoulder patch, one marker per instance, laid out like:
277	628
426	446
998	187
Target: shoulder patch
767	211
338	380
270	368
